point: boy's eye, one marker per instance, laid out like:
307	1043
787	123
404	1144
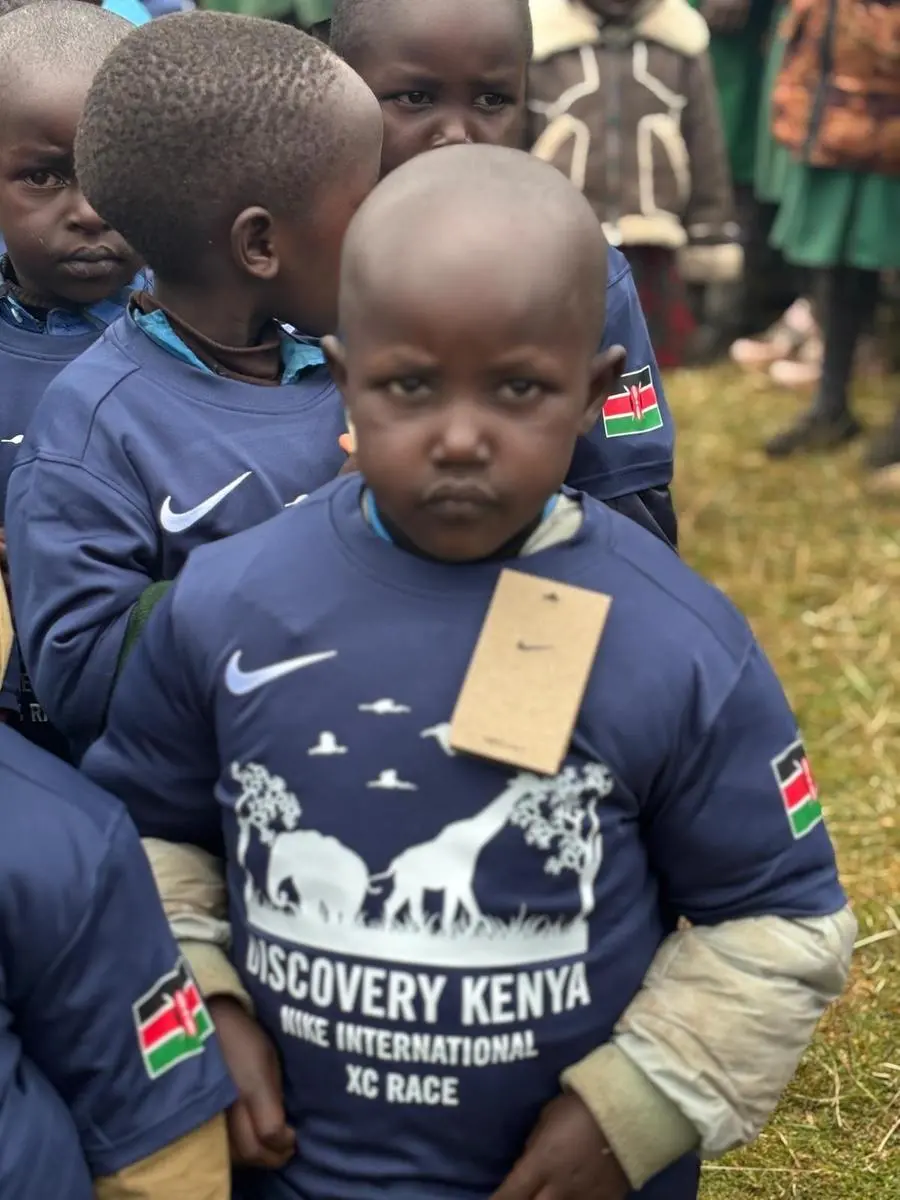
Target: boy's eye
412	99
44	179
408	387
517	390
492	101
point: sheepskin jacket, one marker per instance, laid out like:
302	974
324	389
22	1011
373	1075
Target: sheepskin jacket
629	111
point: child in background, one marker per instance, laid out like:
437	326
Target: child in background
231	152
454	71
65	275
473	972
624	102
836	105
111	1084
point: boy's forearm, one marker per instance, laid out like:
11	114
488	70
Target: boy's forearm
702	1054
196	1167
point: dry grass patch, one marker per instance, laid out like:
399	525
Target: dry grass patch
815	565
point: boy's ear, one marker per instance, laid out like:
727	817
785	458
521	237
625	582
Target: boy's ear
253	243
335	356
606	369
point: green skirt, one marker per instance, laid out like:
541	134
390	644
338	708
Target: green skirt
307	12
838	218
772	159
737	66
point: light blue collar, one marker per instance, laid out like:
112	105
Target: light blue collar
130	10
297	354
65	322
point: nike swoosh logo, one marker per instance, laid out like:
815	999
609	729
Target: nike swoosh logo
16	440
297	500
240	683
178	522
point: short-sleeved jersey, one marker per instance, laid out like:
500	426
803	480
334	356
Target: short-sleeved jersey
632	446
432	938
107	1051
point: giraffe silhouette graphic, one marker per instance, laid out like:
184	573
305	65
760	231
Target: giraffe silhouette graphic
317	892
446	864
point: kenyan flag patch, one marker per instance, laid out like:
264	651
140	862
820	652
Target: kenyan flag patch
634	408
798	789
172	1021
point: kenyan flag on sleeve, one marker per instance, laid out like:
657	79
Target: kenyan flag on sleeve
798	789
172	1021
634	408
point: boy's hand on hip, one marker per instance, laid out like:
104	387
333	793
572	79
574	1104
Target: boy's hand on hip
257	1128
566	1158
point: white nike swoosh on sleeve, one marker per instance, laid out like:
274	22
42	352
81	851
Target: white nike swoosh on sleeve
177	522
16	440
239	682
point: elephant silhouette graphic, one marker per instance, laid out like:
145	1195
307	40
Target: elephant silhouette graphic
330	881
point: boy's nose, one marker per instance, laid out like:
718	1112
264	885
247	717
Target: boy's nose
452	131
462	441
82	216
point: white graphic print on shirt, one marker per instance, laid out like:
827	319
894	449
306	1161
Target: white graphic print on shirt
314	943
330	883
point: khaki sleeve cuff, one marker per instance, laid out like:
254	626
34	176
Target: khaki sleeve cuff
196	1167
645	1130
214	973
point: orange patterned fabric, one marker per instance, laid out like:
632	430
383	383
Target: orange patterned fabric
837	99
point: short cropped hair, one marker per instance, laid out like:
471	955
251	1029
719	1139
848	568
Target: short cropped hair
355	22
48	34
8	6
198	115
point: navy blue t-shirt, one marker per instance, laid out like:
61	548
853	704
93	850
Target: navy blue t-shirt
34	348
632	446
134	458
96	1072
431	938
28	361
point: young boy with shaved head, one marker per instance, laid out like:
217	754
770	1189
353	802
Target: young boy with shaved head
472	965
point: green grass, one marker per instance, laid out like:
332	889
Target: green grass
815	565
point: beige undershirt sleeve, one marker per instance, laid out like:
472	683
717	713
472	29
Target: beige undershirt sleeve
191	885
196	1167
700	1057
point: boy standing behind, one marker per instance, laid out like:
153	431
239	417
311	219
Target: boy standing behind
447	72
65	274
231	152
471	967
624	102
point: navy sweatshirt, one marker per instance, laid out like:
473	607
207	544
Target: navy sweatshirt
86	958
431	938
32	353
28	362
134	459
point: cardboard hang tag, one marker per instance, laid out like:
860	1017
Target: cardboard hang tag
520	698
6	630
